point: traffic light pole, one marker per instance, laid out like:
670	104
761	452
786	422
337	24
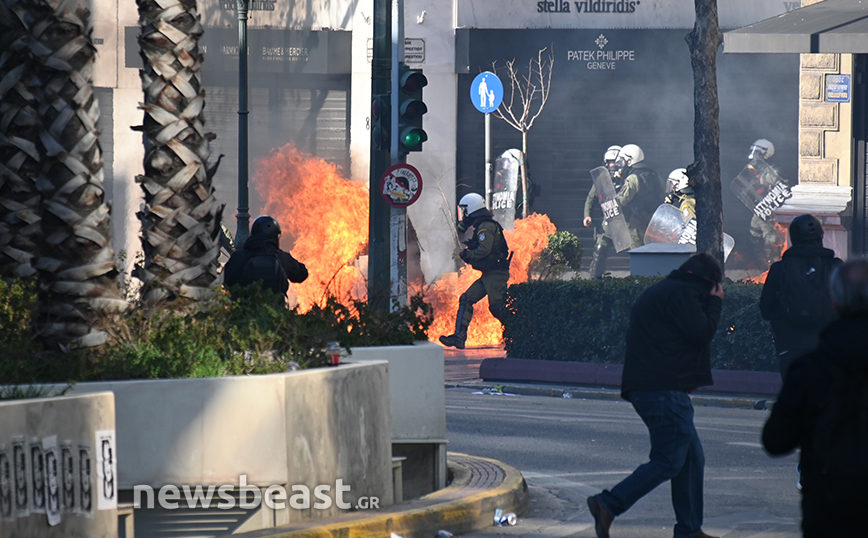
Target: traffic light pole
398	216
379	238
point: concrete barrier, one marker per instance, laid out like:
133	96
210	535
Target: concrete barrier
58	467
296	431
418	410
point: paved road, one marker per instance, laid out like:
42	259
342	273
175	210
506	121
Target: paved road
568	449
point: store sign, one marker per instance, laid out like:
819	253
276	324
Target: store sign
586	6
601	58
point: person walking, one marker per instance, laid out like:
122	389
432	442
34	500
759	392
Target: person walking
795	296
667	357
823	409
262	262
488	252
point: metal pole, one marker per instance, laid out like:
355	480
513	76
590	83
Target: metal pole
488	160
379	228
243	216
398	215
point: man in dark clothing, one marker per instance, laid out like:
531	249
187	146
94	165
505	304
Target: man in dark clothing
262	262
831	379
795	297
488	252
668	356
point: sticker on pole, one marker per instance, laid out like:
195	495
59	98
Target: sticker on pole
401	185
486	92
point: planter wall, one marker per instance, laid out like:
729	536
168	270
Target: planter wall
58	468
301	428
418	410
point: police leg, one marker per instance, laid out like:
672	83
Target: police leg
474	294
601	253
495	284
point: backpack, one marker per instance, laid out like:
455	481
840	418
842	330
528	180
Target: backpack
840	439
265	269
803	294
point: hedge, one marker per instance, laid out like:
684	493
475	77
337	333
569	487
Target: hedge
586	321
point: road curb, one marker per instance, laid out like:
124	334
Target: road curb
458	508
701	400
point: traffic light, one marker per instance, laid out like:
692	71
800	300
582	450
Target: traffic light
380	121
411	109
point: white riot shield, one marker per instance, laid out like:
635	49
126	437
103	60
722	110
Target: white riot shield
616	224
505	187
668	225
760	188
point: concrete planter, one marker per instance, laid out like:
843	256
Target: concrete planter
307	428
418	411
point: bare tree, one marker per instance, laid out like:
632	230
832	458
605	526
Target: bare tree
527	97
704	42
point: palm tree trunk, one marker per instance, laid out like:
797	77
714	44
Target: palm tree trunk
78	292
19	140
181	217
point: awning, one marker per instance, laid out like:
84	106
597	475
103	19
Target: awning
831	26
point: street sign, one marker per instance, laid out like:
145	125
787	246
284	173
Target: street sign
486	92
401	185
837	88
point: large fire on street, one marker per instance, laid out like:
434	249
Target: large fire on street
324	218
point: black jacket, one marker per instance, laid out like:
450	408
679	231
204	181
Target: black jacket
788	338
258	245
669	337
806	391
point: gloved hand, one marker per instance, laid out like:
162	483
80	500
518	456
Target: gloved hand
461	227
464	255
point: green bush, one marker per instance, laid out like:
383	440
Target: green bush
253	334
586	321
564	252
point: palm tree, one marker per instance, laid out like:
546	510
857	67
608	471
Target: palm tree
73	256
19	140
181	217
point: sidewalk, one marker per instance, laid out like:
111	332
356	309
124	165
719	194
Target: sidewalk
478	487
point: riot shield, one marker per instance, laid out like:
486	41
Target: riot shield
505	187
616	224
760	188
668	225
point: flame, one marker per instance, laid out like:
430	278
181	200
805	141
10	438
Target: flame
782	231
327	216
528	239
325	213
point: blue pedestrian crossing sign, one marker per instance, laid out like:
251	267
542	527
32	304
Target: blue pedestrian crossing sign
486	92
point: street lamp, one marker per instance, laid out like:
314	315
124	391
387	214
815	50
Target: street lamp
242	218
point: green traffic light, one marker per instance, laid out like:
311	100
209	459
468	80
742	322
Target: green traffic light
412	139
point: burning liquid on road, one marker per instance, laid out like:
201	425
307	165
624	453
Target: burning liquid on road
761	279
326	215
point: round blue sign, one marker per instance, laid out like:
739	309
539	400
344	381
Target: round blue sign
486	92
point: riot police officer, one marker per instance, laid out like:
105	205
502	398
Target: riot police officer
766	237
638	191
488	252
681	193
262	262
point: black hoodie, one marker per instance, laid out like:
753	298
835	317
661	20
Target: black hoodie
262	245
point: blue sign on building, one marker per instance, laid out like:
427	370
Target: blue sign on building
486	92
838	88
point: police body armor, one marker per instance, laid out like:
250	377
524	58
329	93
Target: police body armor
499	258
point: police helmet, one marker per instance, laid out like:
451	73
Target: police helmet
761	149
806	230
630	155
470	204
266	225
679	181
611	155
